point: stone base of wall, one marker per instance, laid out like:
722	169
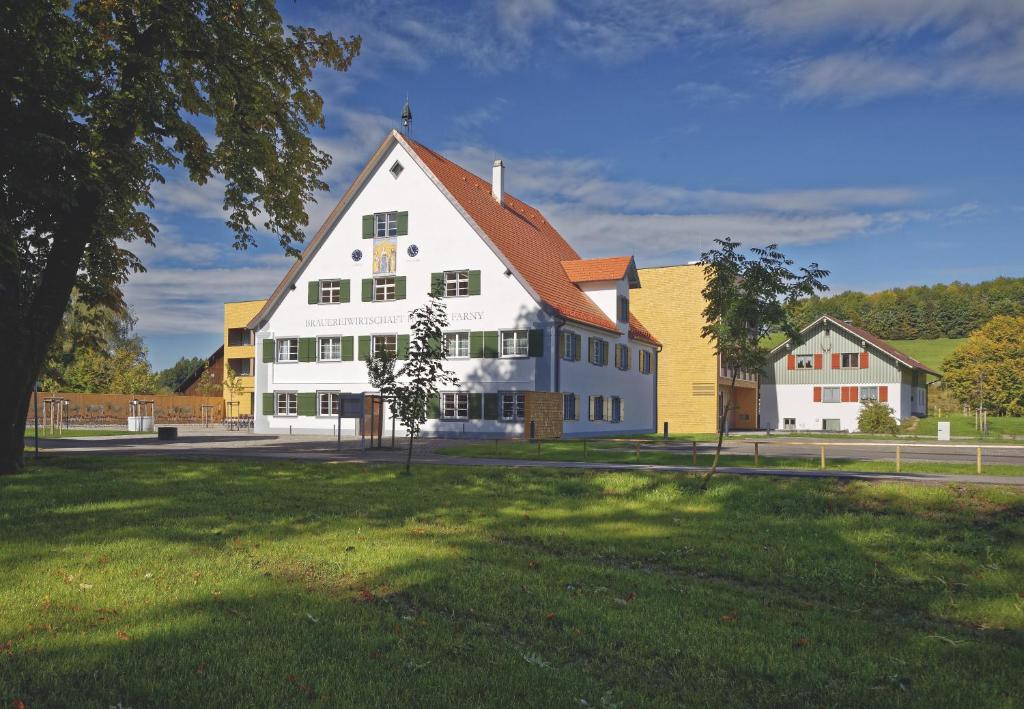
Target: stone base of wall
544	409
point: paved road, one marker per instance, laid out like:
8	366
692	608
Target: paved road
317	448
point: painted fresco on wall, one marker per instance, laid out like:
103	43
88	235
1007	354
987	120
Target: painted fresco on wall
385	256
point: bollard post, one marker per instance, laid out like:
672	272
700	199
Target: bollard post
695	452
665	434
823	457
898	461
757	454
978	466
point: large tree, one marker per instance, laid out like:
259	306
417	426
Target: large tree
99	99
988	369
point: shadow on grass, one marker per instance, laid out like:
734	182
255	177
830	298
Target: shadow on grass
280	584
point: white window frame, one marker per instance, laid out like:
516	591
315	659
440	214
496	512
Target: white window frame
459	337
290	399
845	357
860	393
456	402
518	405
520	340
385	224
569	345
804	361
294	351
332	410
375	338
320	341
330	291
836	392
455	282
383	287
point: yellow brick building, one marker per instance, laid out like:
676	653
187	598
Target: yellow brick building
691	385
239	357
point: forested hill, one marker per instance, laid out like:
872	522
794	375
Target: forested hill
920	312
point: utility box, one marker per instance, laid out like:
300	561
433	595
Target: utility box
943	430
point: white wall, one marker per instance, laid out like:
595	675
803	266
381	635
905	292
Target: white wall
782	401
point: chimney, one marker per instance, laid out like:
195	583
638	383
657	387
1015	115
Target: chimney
498	182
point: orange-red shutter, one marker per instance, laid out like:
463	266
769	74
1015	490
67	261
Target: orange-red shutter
791	362
835	360
817	361
817	393
883	393
844	394
863	360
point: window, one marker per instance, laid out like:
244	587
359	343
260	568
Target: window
869	393
805	361
456	283
597	408
645	362
849	360
396	169
455	405
330	349
598	351
789	424
831	395
515	343
386	224
623	308
240	336
831	425
622	357
456	345
513	406
288	349
385	343
570	346
286	403
327	403
616	409
569	407
241	366
384	288
330	291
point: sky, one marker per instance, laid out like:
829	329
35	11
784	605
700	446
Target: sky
880	139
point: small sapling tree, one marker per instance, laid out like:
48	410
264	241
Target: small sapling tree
746	299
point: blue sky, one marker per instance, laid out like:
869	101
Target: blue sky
880	138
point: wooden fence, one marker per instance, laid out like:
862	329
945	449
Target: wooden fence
88	409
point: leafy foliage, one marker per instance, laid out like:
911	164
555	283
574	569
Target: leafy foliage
171	378
988	368
877	417
919	312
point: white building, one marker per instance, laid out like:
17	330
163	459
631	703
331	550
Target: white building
817	381
527	314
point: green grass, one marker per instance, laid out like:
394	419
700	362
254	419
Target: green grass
147	582
929	352
612	452
961	425
30	432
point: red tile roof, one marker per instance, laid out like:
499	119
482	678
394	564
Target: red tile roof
885	346
597	269
532	246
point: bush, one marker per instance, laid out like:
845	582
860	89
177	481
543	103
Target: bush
876	417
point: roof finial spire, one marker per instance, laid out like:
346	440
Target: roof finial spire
406	115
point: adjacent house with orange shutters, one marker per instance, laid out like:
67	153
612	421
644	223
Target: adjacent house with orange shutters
818	380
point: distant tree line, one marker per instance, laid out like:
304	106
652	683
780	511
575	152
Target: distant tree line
919	312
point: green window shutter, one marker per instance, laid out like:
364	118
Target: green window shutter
437	283
591	343
476	405
307	403
434	407
346	291
346	348
268	350
536	345
474	282
490	406
403	347
268	401
307	349
403	223
579	346
369	226
367	290
491	343
476	344
314	292
364	348
399	287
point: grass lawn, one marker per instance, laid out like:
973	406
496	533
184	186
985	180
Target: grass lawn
929	352
30	433
617	452
187	583
961	425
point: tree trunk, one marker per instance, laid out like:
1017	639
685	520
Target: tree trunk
721	430
408	457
